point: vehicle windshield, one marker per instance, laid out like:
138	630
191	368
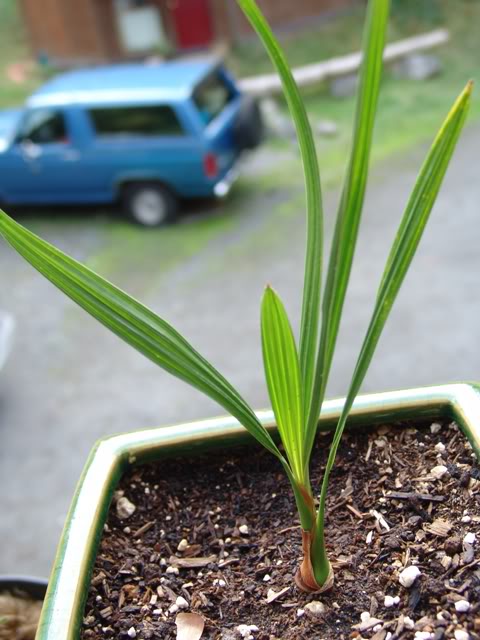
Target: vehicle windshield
212	96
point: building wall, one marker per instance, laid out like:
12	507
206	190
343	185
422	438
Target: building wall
66	30
280	13
82	31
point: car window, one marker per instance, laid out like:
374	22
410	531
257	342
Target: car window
43	126
138	121
212	96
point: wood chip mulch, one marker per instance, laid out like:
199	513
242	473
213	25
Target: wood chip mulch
217	535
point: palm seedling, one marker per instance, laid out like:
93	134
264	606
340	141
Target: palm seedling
296	378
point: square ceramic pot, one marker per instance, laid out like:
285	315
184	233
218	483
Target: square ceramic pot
69	582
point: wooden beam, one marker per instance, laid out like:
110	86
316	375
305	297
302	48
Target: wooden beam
344	65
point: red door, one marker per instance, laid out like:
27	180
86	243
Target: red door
192	23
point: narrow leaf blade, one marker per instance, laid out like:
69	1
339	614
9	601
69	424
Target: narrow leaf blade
351	203
282	372
403	250
133	323
314	252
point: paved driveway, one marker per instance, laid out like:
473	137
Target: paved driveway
70	382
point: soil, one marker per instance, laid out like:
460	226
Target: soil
218	535
19	616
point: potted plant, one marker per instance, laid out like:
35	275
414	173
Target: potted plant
296	381
21	599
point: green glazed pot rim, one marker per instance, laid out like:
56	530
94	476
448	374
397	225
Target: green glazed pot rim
68	586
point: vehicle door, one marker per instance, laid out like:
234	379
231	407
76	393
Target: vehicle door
138	142
42	161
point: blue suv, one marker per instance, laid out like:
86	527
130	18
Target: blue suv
144	135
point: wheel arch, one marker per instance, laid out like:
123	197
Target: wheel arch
124	182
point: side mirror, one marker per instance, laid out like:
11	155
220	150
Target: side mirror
30	150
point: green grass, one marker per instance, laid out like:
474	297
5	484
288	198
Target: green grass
410	111
140	258
14	49
341	34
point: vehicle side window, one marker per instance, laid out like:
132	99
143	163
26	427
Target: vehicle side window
136	121
43	126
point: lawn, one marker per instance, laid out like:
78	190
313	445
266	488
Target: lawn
410	112
14	50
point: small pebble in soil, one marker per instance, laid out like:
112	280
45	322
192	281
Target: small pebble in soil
181	603
182	545
435	427
243	528
462	606
408	622
391	601
125	508
453	545
440	447
315	608
300	613
466	519
423	635
247	630
408	576
131	633
469	538
460	634
267	578
218	582
439	471
173	571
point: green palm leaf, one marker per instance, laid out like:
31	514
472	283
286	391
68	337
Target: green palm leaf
282	372
314	252
351	204
403	250
134	323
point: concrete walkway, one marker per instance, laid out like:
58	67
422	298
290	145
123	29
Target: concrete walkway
69	382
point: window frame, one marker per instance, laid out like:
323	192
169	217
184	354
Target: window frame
21	137
179	133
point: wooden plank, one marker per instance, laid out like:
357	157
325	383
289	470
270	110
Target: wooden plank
344	65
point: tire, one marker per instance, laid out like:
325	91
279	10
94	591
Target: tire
149	204
249	128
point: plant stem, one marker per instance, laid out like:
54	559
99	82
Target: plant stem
315	571
318	556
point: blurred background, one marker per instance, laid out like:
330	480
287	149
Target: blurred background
67	382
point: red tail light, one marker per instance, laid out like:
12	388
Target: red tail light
210	165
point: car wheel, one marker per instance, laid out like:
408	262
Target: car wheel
149	204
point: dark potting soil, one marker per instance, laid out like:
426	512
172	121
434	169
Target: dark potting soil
218	535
